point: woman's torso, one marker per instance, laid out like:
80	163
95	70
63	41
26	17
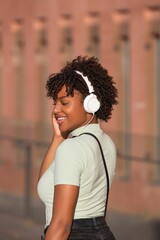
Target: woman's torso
78	161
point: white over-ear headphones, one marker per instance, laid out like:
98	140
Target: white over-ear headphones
91	103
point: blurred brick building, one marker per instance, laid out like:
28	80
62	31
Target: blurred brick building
36	39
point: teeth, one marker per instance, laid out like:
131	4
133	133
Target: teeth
61	118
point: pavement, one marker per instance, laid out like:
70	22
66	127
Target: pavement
18	228
124	227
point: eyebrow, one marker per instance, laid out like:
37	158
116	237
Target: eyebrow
62	97
66	96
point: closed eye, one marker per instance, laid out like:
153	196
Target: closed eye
64	103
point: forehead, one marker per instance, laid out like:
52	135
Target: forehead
63	93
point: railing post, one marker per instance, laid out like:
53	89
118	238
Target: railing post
28	181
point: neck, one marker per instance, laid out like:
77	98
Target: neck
91	119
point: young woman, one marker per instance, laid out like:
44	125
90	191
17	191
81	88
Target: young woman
75	173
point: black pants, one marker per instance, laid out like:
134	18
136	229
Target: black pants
90	229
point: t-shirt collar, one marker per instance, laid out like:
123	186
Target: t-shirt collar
94	127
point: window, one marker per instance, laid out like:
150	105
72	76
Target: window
18	65
1	99
41	68
93	34
122	65
66	39
1	64
152	48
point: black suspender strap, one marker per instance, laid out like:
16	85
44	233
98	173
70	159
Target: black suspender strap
105	167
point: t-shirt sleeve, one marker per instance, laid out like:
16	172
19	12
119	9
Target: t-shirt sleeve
68	163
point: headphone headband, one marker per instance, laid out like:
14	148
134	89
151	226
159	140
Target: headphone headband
89	85
91	104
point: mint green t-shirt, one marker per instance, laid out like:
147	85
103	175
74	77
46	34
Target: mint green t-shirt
78	161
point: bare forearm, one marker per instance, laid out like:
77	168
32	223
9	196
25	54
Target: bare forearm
57	233
63	212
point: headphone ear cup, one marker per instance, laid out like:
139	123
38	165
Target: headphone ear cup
91	103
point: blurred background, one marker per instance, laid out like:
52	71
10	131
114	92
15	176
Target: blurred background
37	38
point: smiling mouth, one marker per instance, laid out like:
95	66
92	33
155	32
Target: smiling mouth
60	120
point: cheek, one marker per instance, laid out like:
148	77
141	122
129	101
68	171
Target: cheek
77	110
79	105
80	112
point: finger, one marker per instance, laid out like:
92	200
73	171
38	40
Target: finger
56	127
52	115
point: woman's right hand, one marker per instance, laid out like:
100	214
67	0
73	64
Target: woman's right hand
55	142
56	130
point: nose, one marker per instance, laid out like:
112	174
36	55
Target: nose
57	107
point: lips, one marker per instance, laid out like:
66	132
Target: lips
60	119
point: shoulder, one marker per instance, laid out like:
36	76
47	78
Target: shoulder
77	148
108	140
108	144
71	145
70	158
71	149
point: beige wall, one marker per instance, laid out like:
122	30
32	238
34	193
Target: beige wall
25	65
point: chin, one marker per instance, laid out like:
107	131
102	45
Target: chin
65	133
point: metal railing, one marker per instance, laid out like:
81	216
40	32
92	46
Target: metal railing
28	145
146	159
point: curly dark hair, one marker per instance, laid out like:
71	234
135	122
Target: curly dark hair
103	84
